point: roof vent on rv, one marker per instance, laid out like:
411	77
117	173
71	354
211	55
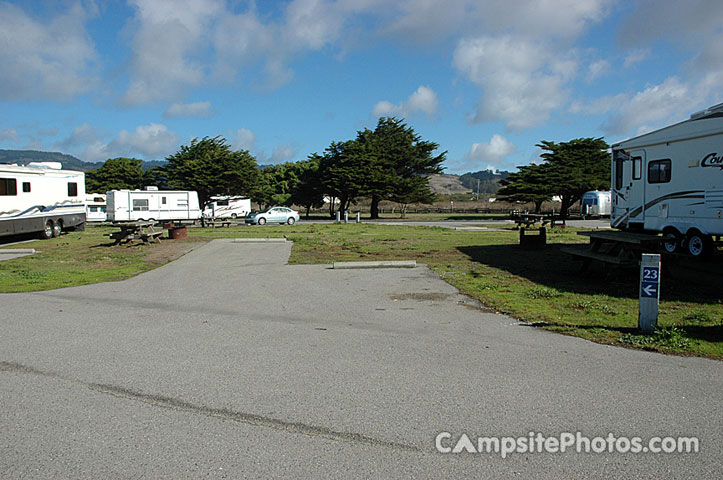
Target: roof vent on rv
53	165
151	188
708	111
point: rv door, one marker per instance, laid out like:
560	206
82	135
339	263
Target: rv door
628	189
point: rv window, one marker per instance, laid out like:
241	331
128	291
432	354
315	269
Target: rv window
140	204
26	187
618	173
222	203
93	209
659	171
8	186
163	200
72	189
637	167
102	209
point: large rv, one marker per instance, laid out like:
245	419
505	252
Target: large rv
41	197
227	207
595	203
671	181
152	205
95	207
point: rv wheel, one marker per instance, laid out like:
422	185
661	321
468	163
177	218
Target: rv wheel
57	228
698	244
233	215
672	242
48	230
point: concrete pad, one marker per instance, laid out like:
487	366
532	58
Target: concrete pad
229	363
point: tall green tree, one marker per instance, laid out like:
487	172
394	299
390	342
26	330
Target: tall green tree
344	171
210	167
309	191
575	167
399	163
528	184
116	174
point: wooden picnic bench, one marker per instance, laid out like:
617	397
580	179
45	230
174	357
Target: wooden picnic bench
130	231
614	247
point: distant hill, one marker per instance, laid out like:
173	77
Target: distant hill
69	162
488	180
445	184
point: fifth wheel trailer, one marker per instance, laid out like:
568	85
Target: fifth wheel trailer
671	181
41	197
152	205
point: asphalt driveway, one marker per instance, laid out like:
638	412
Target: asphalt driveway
227	363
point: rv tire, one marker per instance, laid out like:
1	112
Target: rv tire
698	244
57	228
47	231
233	215
673	241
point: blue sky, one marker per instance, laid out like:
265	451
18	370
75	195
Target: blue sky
487	80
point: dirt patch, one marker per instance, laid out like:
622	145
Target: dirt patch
169	250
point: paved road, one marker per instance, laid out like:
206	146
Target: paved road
466	224
227	363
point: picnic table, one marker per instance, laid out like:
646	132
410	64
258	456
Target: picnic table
614	247
527	220
130	231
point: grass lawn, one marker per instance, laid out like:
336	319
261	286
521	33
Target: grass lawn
539	287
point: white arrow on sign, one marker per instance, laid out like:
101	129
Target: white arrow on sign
650	290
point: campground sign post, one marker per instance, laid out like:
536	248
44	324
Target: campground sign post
649	292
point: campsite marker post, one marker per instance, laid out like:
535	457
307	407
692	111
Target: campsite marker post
649	292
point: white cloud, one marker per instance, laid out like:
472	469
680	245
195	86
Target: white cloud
522	81
653	107
49	58
169	33
8	135
423	100
243	139
597	69
81	135
196	109
282	153
428	20
492	152
636	56
149	140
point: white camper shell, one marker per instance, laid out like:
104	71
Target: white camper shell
152	205
95	207
227	207
595	203
41	197
671	181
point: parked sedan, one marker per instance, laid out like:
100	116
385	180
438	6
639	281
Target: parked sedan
273	215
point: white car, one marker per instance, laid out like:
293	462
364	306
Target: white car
273	215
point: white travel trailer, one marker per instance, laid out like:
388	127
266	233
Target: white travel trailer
41	197
152	204
227	207
671	181
95	207
595	203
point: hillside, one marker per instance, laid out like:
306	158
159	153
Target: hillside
69	162
445	184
